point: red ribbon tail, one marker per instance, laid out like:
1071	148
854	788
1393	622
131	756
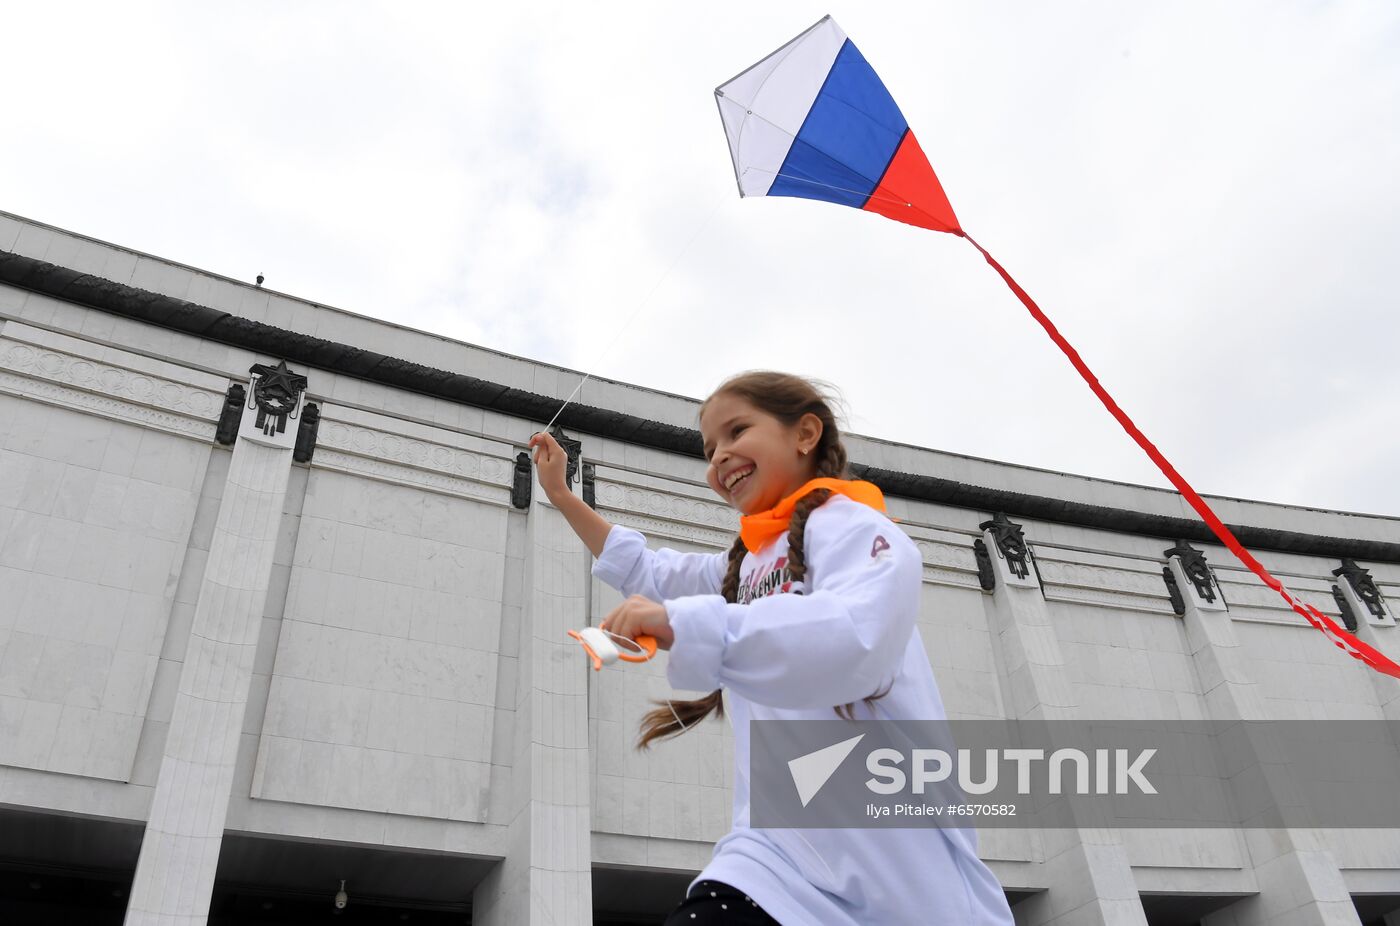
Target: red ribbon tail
1337	634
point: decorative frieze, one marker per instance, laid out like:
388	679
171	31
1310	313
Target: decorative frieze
412	452
385	471
676	530
1247	592
1252	600
1109	598
108	380
104	389
954	578
1086	577
1100	579
945	554
652	503
946	562
106	406
1121	579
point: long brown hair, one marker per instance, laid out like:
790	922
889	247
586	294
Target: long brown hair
787	398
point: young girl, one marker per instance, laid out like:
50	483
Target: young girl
812	609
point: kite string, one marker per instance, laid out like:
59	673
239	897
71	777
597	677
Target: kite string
1350	644
704	223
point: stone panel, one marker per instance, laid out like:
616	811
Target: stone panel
384	682
95	515
1301	674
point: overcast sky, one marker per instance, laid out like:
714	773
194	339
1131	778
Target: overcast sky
1204	197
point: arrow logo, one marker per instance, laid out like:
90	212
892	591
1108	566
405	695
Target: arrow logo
812	771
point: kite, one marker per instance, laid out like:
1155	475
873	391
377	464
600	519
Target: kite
813	120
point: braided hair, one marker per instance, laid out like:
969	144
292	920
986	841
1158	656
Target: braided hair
787	398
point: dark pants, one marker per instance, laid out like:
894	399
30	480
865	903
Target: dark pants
711	902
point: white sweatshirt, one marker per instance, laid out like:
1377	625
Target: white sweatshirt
788	652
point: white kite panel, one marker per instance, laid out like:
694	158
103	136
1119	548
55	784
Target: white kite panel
764	107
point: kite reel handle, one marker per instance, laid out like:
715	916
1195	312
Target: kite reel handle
603	651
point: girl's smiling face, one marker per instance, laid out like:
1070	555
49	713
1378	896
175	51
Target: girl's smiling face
755	459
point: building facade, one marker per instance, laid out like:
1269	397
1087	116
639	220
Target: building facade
283	614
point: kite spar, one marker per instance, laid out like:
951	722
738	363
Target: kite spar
813	120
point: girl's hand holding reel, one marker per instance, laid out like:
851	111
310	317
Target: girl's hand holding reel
599	645
633	632
635	629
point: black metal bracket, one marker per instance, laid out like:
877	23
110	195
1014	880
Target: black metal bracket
522	481
1348	616
231	416
590	488
1193	563
1363	585
307	430
1174	591
986	575
1011	541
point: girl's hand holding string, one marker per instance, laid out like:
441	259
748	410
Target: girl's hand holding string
551	462
637	616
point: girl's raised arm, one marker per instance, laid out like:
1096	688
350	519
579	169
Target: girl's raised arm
551	462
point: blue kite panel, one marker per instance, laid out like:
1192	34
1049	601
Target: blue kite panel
811	174
848	138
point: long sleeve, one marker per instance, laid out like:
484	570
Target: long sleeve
837	643
628	566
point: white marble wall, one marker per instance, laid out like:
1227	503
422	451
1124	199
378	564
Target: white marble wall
102	458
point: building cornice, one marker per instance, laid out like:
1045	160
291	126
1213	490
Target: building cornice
203	321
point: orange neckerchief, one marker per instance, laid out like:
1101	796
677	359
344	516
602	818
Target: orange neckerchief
757	530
